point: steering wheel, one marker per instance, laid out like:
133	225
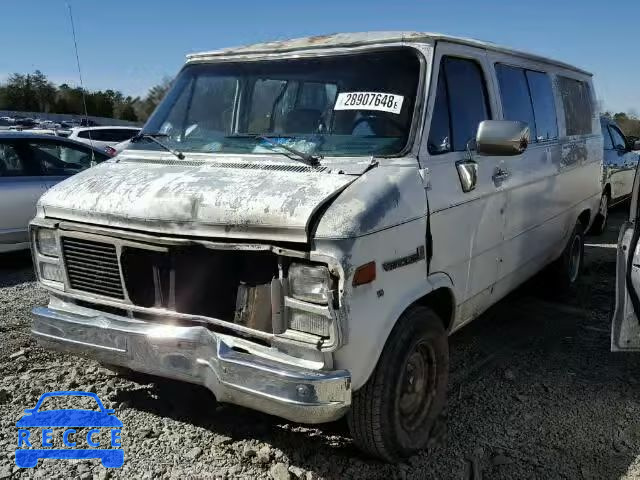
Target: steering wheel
395	124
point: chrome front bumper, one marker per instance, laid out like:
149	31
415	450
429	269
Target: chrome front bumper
235	370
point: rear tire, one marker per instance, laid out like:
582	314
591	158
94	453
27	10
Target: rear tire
600	222
401	408
566	270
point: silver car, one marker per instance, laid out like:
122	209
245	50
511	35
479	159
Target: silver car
619	168
29	165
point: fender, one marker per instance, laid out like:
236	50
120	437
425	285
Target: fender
434	281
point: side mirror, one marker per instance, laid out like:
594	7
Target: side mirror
502	137
636	145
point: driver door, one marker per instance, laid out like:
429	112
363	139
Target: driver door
466	224
625	329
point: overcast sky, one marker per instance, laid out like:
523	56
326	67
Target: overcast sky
130	45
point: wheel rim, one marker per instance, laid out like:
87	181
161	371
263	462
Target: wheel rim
418	386
575	258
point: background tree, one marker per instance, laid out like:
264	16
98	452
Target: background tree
33	92
155	95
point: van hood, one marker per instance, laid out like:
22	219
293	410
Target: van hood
220	200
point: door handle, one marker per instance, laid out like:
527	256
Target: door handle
500	175
468	174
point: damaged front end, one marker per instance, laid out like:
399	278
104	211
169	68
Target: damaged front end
254	323
242	288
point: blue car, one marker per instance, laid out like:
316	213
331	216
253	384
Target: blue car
68	418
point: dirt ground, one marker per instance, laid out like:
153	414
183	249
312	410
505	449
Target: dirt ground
534	393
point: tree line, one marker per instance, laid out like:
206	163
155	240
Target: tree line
34	92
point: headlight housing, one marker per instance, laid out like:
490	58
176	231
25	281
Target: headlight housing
310	283
46	242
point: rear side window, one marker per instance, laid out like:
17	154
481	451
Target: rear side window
461	104
527	96
576	101
118	134
108	135
514	92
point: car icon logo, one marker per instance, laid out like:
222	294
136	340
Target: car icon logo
68	419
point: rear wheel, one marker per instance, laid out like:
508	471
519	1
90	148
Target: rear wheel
400	409
566	270
600	222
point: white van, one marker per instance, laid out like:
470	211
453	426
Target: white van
301	224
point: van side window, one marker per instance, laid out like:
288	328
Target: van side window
544	105
576	100
514	92
527	96
461	104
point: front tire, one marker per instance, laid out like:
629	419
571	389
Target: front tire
400	410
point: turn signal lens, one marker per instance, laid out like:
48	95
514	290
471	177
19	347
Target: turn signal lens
309	322
364	274
51	272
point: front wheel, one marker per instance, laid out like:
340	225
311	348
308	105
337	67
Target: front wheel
400	409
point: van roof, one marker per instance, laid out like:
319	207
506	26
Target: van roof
365	38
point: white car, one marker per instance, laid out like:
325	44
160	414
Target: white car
102	137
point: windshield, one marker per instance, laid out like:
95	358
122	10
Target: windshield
348	105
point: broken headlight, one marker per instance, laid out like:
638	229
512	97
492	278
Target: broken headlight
310	283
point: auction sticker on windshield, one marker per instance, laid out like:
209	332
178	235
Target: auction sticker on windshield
385	102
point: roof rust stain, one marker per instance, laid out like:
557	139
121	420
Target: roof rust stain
347	40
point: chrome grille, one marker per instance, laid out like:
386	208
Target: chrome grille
92	267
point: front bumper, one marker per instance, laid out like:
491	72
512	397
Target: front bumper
235	370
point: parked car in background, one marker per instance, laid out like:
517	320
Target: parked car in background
102	137
40	131
25	122
309	232
29	165
618	171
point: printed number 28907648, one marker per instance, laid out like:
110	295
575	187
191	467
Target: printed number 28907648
385	102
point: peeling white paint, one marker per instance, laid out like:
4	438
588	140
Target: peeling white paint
200	201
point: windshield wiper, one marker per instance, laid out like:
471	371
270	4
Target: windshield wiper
309	159
152	137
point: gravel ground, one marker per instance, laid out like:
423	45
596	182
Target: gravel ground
535	393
